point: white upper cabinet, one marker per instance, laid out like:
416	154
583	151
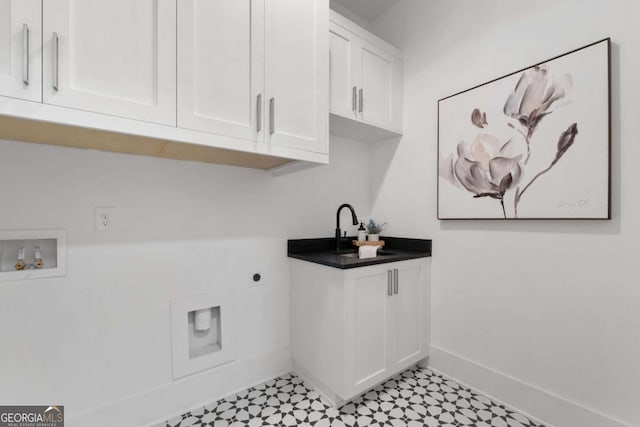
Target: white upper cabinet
343	73
296	74
376	91
242	82
366	77
20	49
115	57
221	67
256	70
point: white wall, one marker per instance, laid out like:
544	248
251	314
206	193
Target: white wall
544	315
338	7
98	340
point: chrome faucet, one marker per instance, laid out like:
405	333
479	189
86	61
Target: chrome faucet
338	231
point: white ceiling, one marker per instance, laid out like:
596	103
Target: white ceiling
367	9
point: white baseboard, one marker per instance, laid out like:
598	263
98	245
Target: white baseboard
330	397
325	392
152	407
540	405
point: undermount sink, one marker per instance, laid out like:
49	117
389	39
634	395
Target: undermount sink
350	255
355	254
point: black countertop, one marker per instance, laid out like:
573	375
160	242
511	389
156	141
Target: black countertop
323	251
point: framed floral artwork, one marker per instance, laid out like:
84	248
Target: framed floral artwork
534	144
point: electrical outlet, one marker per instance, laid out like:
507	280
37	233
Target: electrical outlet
105	219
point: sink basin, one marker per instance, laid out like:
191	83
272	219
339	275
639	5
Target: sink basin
355	254
350	255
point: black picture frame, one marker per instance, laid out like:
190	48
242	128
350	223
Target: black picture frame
480	182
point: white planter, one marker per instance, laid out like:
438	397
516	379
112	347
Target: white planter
373	237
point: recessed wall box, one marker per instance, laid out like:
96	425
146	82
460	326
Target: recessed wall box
44	254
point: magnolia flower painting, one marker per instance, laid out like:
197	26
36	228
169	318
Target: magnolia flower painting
530	145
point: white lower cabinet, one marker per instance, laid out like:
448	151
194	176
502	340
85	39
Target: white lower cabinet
354	328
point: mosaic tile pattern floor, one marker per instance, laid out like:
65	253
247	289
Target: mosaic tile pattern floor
417	397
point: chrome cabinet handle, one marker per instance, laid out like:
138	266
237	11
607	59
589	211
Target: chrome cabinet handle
354	100
395	280
55	61
389	283
259	113
25	54
361	106
272	119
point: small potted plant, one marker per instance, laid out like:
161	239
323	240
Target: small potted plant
374	229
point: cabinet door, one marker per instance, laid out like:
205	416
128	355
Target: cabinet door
368	329
297	73
378	86
20	49
408	316
343	71
221	66
114	57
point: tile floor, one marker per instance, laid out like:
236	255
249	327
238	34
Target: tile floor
417	397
